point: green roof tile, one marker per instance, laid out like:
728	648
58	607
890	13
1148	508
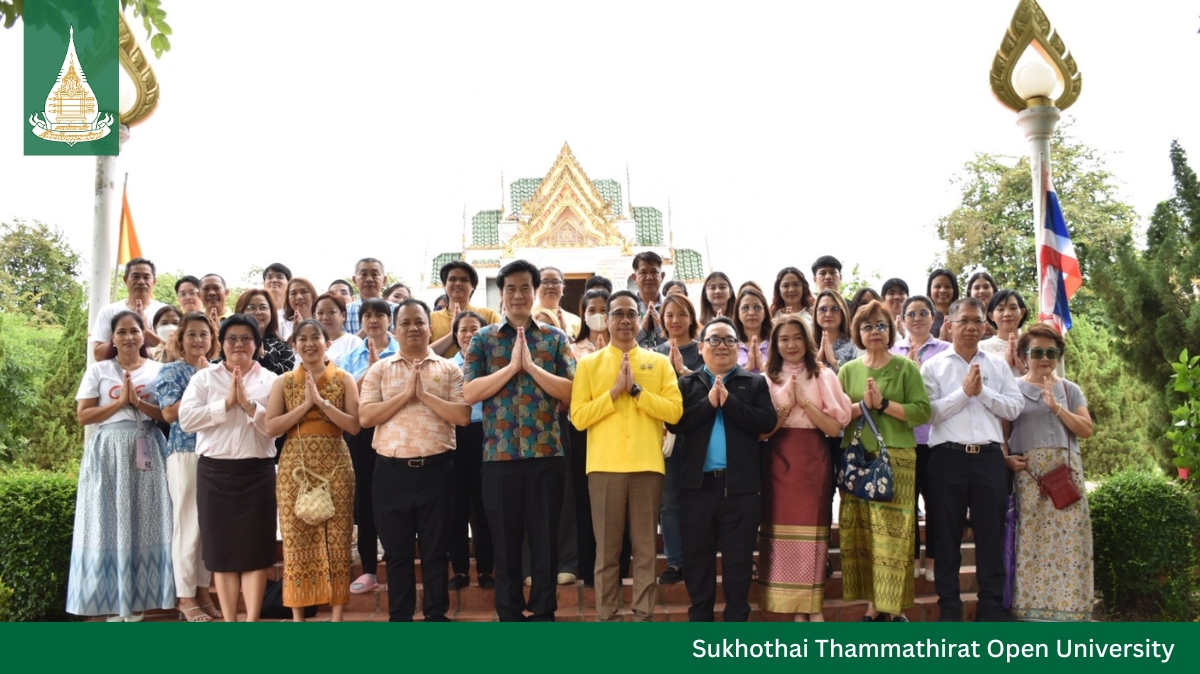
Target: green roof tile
649	229
611	190
437	266
689	266
485	229
521	191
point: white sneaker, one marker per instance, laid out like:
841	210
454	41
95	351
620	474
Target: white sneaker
528	581
566	579
929	573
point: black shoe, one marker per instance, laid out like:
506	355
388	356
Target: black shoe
458	582
899	619
994	614
828	569
437	619
869	619
672	575
486	582
950	615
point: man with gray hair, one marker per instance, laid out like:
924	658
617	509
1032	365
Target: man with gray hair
970	391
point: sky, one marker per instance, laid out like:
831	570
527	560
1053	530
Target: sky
776	131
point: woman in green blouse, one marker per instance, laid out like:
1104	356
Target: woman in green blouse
877	537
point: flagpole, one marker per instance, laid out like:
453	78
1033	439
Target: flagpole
112	294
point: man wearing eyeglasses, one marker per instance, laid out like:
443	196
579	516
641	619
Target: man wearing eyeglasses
726	409
622	396
370	279
647	269
970	392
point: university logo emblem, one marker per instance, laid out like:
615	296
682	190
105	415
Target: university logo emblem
72	114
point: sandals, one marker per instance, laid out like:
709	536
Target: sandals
216	613
189	614
364	584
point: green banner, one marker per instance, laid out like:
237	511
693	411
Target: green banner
71	77
624	647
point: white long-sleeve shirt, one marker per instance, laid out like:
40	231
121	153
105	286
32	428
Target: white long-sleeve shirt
964	419
227	434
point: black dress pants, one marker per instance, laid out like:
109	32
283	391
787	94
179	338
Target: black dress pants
957	481
524	498
362	458
468	501
710	519
414	504
923	452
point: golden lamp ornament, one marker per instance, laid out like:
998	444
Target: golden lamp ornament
1034	83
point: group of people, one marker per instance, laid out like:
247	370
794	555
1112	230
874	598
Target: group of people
555	445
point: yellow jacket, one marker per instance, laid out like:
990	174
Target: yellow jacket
625	435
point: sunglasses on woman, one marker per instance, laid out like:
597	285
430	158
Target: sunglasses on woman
1039	353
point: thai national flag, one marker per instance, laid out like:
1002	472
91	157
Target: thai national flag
1058	268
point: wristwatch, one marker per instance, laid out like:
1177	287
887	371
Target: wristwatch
883	405
635	390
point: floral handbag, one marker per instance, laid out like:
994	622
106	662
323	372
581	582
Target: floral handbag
870	481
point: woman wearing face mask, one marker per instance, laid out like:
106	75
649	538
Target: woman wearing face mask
165	322
798	475
277	356
835	348
330	312
593	331
196	341
593	336
717	298
1006	314
298	305
942	289
792	294
919	346
313	405
754	330
121	549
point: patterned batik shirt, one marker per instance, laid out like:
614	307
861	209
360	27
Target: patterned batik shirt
521	420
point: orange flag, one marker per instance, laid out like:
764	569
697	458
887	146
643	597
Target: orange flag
127	247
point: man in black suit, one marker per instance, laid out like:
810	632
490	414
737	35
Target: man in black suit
726	408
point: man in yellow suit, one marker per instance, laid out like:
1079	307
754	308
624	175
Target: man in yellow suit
622	395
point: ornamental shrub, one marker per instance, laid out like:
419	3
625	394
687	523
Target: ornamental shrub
1142	529
6	594
37	516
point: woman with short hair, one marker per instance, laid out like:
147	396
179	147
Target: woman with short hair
312	405
196	342
298	305
876	537
1005	315
1053	580
753	327
121	548
276	355
792	294
468	490
717	298
330	312
593	336
225	405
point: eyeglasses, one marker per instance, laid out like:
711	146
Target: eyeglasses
829	310
234	339
718	341
553	284
751	308
257	307
623	315
923	313
878	327
971	322
1039	353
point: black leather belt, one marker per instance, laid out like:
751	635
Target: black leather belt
425	462
970	449
716	473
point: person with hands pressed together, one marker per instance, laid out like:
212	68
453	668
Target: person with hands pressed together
647	269
792	295
225	405
521	371
460	280
798	474
1006	315
312	406
876	536
276	355
214	294
753	328
1054	570
550	294
622	396
725	410
717	298
139	281
301	295
942	288
415	400
971	391
835	347
121	548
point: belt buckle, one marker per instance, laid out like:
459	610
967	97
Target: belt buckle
416	463
972	449
720	472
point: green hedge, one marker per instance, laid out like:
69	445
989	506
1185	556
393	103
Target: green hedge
1143	527
37	516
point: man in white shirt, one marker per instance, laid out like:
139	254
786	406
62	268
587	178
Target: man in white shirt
140	277
970	392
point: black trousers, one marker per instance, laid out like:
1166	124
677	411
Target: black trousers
524	498
710	519
411	504
468	501
362	458
923	452
958	481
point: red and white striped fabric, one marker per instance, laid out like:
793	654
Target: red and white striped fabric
1059	275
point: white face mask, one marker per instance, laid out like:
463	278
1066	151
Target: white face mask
597	322
165	331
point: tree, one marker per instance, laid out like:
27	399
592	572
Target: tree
54	434
24	350
1150	295
48	12
38	270
993	229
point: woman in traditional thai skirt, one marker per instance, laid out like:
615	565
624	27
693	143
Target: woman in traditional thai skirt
797	478
313	405
121	550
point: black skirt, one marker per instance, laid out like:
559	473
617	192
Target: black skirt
236	503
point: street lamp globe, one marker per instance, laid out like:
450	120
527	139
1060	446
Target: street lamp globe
1036	79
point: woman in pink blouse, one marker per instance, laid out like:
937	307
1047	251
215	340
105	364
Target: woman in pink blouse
798	477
